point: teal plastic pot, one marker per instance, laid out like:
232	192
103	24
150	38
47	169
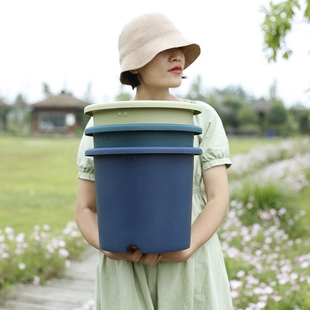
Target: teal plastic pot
127	135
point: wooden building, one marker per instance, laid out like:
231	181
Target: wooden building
61	114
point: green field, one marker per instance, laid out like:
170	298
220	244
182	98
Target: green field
240	145
39	184
39	180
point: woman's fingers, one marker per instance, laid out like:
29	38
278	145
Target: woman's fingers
133	254
150	259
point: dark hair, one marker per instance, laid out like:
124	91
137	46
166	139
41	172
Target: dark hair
134	80
131	78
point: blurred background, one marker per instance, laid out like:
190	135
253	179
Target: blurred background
58	56
68	49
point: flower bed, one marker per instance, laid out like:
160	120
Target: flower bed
267	269
39	256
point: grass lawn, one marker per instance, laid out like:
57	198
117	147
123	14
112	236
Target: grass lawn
303	202
38	186
245	144
38	182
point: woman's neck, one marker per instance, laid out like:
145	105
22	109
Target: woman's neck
155	95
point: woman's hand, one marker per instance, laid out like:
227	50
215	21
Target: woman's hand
133	254
150	259
177	256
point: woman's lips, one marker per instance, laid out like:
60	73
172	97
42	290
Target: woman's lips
176	70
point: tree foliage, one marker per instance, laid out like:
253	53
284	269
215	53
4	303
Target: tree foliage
88	93
123	95
20	114
277	115
303	118
196	90
278	22
247	117
235	106
46	90
4	111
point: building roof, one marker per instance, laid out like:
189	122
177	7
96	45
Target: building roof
63	100
261	105
3	104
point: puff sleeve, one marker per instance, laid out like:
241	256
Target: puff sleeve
213	140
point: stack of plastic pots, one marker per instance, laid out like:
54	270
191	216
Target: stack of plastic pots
143	158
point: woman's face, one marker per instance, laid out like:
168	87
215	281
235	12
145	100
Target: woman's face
164	70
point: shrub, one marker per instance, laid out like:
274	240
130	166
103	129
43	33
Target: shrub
261	197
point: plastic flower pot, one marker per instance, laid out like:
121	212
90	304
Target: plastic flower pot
144	197
126	135
140	111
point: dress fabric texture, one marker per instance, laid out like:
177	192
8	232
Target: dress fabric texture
200	283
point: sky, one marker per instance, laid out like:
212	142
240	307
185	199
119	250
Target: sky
70	44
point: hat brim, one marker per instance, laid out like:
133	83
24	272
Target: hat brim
190	50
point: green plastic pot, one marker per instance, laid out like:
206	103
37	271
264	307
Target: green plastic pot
141	111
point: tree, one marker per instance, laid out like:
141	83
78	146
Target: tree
234	91
195	91
20	116
277	119
123	95
228	111
46	90
4	111
301	116
248	118
88	93
304	122
278	22
273	93
277	115
230	100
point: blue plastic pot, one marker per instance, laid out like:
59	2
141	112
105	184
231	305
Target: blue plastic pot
127	135
144	197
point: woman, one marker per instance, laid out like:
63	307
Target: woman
153	55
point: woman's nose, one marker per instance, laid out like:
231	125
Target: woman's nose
176	54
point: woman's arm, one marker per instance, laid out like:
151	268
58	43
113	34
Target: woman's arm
86	219
86	212
217	192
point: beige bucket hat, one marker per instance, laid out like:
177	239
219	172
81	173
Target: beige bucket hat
147	35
